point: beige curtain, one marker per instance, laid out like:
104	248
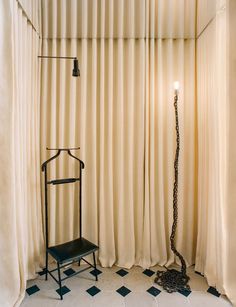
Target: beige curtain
103	113
32	9
212	146
216	156
229	263
21	233
120	112
216	118
169	60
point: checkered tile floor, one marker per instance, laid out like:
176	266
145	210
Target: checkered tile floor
118	287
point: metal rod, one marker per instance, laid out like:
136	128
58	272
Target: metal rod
56	57
81	162
46	206
59	277
76	273
94	261
49	272
50	159
88	263
64	149
62	279
80	199
46	275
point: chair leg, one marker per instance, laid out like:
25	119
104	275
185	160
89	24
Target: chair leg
59	279
46	275
94	261
79	262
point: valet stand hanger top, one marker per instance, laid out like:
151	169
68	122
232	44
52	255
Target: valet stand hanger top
62	181
59	150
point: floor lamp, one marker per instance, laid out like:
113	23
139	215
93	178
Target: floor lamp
173	280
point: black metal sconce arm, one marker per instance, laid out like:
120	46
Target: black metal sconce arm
75	71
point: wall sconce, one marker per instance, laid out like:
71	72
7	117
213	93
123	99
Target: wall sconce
75	71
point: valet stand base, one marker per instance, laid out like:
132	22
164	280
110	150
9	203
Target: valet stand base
172	280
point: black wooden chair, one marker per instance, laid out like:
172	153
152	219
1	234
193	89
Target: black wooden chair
75	250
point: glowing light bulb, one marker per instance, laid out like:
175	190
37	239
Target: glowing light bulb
176	87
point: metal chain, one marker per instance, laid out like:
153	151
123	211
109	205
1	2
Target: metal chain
175	191
173	280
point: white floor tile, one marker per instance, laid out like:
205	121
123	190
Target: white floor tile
199	299
140	299
108	282
108	298
165	299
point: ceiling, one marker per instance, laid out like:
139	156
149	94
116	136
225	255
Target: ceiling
118	18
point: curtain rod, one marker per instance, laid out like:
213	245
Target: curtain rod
57	57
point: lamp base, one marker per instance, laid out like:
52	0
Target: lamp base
172	280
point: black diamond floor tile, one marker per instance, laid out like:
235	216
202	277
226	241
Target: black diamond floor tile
93	291
185	292
149	273
43	272
95	272
213	291
32	290
64	290
154	291
69	272
122	272
123	291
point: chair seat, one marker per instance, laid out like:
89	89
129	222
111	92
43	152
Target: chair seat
68	251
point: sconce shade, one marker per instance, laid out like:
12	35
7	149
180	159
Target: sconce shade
76	72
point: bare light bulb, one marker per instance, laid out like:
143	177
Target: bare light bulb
176	87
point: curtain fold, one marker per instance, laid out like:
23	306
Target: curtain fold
22	240
213	151
9	268
169	60
32	10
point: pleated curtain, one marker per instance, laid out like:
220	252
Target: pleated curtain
21	222
120	112
212	129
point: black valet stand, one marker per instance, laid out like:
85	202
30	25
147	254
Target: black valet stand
173	280
73	251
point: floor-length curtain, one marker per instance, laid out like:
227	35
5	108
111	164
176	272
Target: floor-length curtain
22	239
169	60
212	152
124	147
9	269
103	113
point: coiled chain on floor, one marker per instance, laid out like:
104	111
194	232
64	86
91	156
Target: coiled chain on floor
173	280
